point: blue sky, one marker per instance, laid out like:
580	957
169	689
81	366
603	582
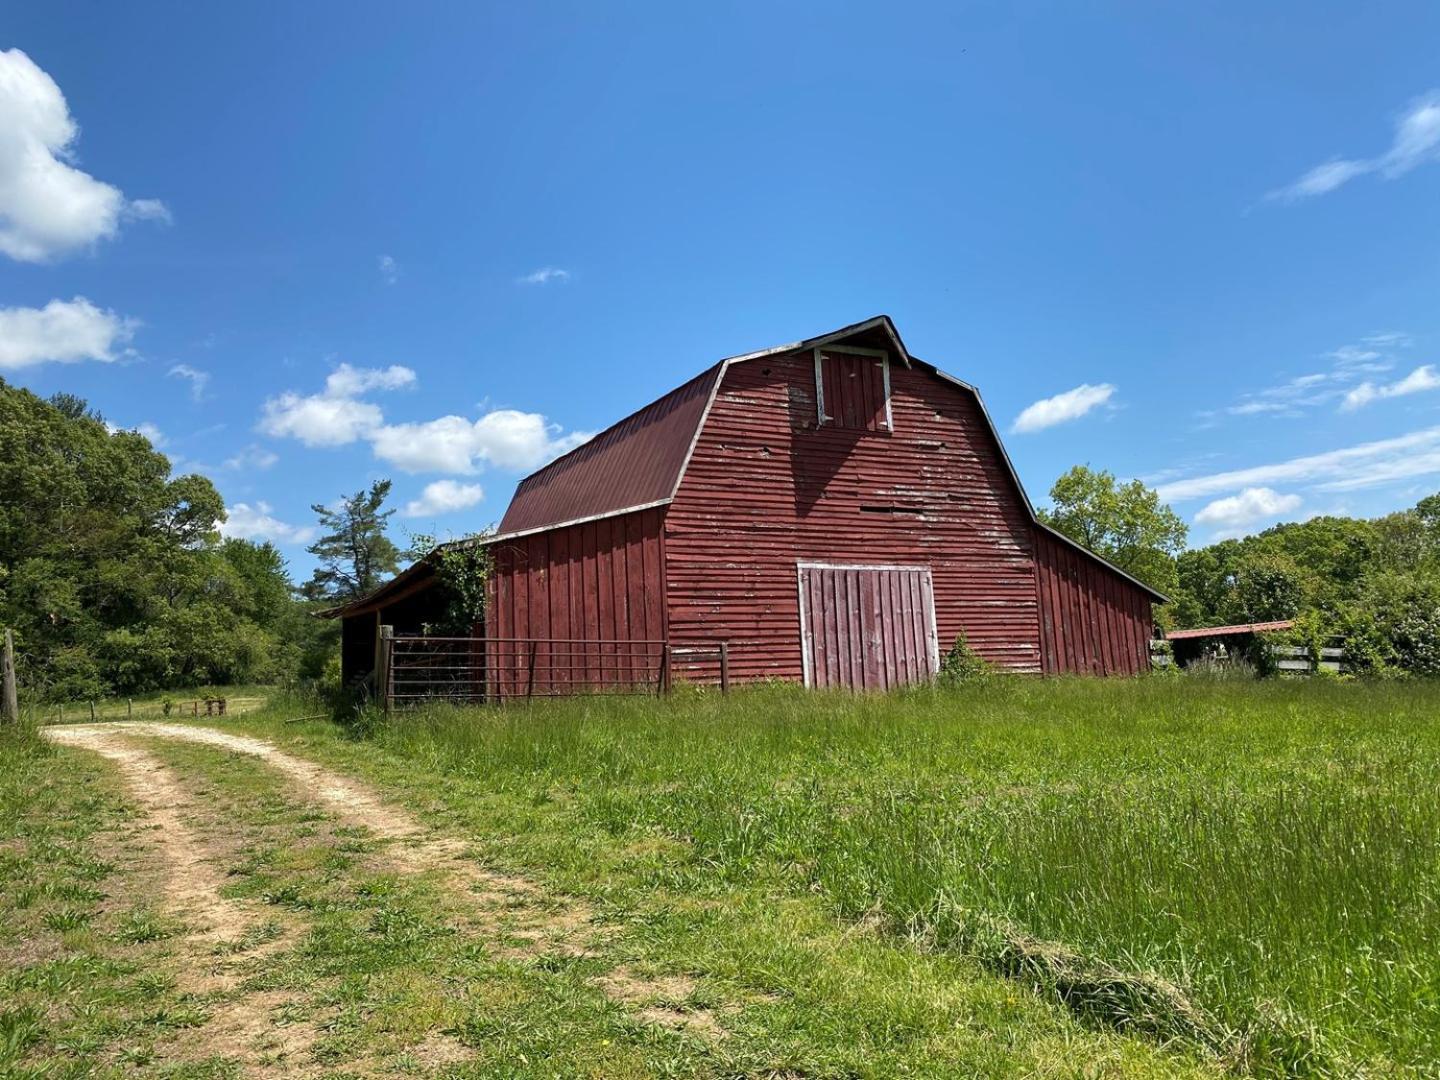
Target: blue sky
312	245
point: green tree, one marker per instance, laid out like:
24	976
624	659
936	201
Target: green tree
112	571
354	552
1267	586
1126	524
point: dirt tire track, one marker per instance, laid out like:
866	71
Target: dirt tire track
545	920
193	881
239	1027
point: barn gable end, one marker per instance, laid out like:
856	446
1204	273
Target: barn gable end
774	482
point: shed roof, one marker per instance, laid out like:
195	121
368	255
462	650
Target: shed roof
1236	628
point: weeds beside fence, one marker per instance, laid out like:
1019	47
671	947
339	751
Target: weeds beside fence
110	709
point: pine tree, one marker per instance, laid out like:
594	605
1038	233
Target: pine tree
354	552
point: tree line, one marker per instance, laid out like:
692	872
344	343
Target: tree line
116	579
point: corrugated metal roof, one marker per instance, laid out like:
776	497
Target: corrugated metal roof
636	462
639	461
1237	628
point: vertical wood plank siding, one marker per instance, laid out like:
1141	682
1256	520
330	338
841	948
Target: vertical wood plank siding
765	489
600	580
1092	621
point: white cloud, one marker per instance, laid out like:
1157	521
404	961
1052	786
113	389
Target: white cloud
505	438
48	207
1366	465
389	269
346	381
253	456
318	420
544	276
1233	515
1416	140
149	210
1291	399
149	430
63	331
1071	405
444	497
1421	379
198	379
258	522
334	416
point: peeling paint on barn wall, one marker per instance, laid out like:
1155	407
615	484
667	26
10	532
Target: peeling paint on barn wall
931	492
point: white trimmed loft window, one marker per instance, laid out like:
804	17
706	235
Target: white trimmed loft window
852	388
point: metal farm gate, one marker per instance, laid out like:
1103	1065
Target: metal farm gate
417	669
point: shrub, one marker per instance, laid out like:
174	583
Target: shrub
963	664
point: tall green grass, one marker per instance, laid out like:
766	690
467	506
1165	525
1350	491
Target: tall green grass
1254	866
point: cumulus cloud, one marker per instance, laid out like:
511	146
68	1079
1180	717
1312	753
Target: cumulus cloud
1062	408
258	522
444	497
1416	141
1421	379
1234	514
317	420
505	438
1369	464
347	381
62	332
389	269
502	438
198	379
335	416
48	206
544	276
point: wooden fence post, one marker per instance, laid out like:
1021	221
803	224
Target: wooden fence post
383	664
11	700
724	667
665	668
92	712
127	708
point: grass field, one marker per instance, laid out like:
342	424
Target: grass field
1071	878
1255	867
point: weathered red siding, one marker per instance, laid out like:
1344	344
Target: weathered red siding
765	490
1092	621
597	581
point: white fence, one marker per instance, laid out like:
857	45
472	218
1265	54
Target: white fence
1296	659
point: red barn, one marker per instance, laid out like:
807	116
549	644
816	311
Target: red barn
836	510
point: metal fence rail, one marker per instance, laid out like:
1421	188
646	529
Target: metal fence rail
417	669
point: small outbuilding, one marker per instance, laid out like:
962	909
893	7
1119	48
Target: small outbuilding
834	511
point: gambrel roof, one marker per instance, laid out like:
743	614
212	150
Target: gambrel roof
639	462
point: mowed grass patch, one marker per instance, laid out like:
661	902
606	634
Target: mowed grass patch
1255	867
87	962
